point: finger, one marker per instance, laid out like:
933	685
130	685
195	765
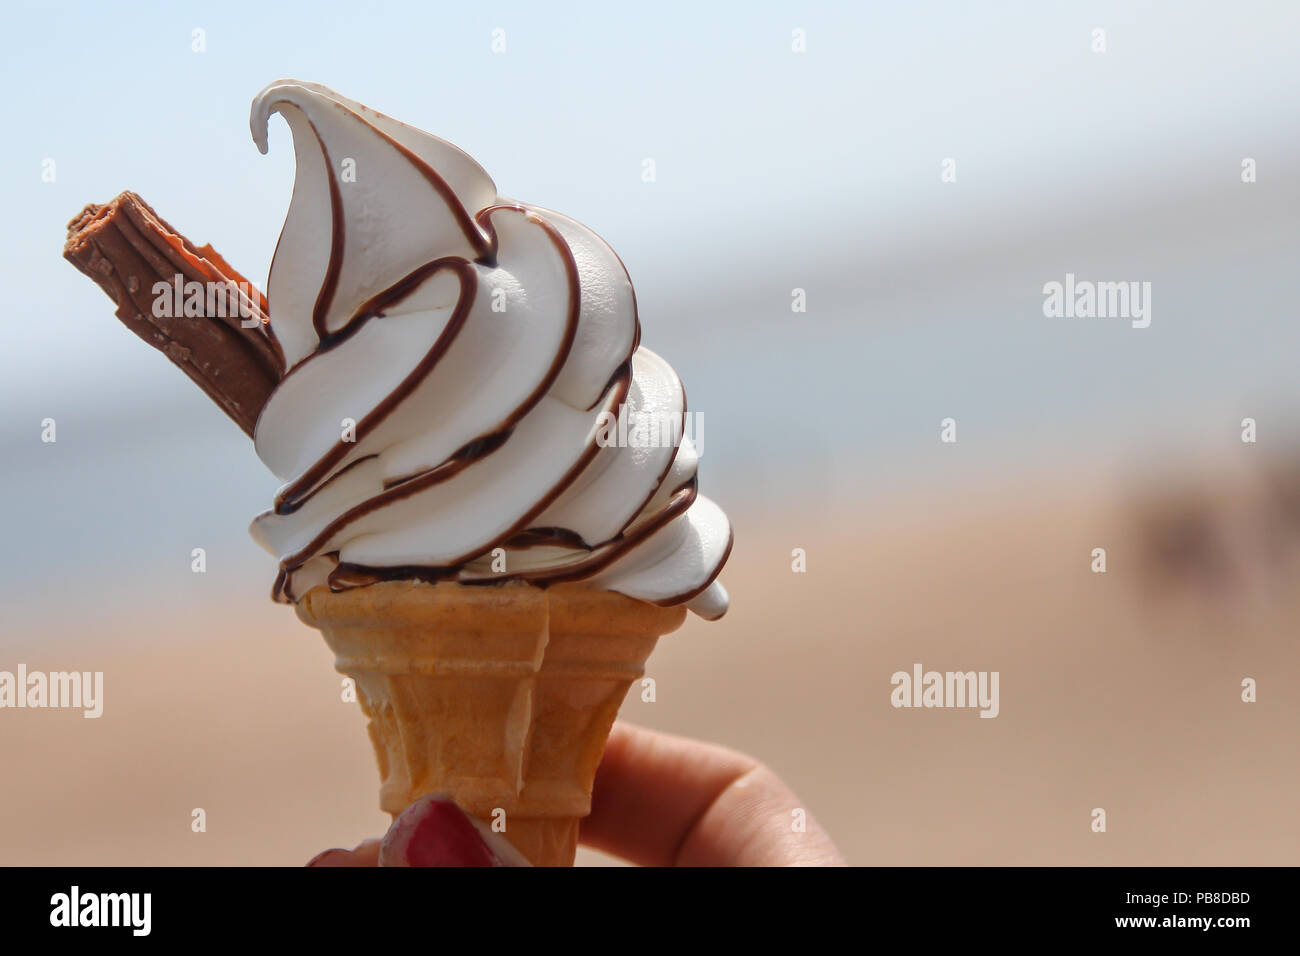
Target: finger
365	854
433	831
661	800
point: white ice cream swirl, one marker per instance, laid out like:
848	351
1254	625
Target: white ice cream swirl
450	355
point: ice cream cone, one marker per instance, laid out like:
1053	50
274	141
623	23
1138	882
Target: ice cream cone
502	697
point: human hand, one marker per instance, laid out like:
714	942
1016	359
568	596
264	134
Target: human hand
658	800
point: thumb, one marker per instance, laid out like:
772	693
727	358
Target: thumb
433	831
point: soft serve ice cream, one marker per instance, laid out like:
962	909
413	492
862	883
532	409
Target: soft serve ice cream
450	360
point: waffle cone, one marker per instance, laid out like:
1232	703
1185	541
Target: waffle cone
502	697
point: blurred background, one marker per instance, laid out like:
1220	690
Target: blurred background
775	170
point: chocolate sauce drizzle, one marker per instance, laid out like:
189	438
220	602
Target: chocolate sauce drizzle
482	235
347	575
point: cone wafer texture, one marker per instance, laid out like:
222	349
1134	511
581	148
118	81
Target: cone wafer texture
502	697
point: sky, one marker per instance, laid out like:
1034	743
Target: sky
774	170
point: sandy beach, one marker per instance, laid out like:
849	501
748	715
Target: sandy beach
1114	694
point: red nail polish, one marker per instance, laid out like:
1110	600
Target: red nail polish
444	836
435	832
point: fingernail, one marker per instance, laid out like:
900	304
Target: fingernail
433	831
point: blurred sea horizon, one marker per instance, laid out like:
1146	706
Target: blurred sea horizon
775	171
